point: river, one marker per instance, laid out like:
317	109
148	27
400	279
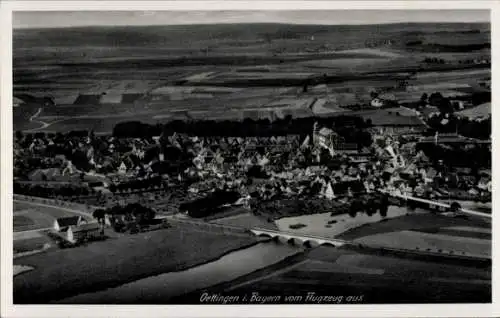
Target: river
158	289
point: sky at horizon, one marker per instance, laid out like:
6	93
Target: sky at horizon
57	19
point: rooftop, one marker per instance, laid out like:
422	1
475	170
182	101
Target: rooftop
68	221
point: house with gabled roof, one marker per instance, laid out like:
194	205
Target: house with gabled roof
62	224
122	168
81	232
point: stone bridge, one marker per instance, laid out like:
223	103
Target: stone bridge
297	238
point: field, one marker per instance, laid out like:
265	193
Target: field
427	232
32	244
316	223
374	279
245	220
117	261
480	111
229	72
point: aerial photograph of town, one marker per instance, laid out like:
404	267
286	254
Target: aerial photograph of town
252	157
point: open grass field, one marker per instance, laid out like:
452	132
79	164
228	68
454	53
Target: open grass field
483	110
377	278
117	261
213	68
246	220
31	244
441	242
427	232
417	223
387	116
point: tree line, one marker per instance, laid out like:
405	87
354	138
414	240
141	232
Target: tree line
128	217
51	192
275	209
245	128
208	205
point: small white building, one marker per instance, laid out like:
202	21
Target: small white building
82	232
123	168
329	194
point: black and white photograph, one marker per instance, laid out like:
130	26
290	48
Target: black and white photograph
251	157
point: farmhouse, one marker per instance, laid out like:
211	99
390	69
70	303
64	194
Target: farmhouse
62	224
81	232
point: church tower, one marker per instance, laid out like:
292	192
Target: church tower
315	133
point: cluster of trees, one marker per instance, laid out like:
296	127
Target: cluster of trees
275	209
469	156
245	128
463	126
445	105
438	100
257	172
377	43
434	60
208	205
129	217
370	204
137	184
51	192
475	61
134	129
476	98
448	122
414	43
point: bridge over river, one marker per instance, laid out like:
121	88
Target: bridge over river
311	241
298	239
435	205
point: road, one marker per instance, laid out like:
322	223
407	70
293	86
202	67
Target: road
33	119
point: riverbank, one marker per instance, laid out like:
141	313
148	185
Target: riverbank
64	273
163	289
285	264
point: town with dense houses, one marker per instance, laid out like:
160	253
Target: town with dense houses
90	169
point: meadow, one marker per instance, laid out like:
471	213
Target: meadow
116	261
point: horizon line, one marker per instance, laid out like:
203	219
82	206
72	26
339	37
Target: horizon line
237	23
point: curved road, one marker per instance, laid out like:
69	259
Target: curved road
33	120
